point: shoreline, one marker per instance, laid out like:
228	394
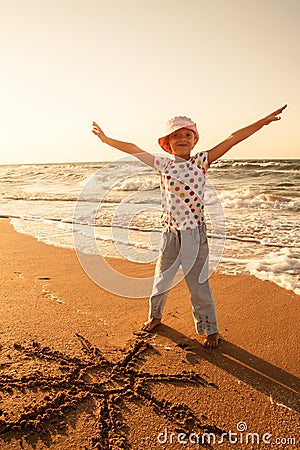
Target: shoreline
48	302
224	267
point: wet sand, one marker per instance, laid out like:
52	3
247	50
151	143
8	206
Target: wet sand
77	372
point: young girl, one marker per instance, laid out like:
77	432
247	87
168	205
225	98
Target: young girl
184	240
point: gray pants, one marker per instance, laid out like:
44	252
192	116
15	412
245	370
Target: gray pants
189	249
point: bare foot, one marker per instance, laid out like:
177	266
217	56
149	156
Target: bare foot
151	324
212	341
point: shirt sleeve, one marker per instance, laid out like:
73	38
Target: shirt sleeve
160	164
201	160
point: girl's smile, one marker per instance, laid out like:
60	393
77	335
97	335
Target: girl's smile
182	142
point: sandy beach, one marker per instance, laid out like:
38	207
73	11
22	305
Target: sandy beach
78	373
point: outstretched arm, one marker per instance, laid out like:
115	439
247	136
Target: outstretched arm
126	147
242	134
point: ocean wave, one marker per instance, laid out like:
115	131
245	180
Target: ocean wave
121	182
282	267
238	199
41	197
97	198
136	184
259	162
261	166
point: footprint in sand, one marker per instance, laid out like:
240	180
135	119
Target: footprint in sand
46	292
20	274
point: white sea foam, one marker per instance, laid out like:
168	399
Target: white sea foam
137	183
246	198
282	267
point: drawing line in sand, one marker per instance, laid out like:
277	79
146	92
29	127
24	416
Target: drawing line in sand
107	383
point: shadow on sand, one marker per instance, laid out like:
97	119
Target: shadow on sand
282	387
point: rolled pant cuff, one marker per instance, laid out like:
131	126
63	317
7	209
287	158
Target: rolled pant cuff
202	330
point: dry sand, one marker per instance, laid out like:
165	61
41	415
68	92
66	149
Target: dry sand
77	372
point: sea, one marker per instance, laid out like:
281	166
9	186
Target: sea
252	212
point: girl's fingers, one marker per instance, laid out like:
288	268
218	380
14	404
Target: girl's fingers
278	111
95	125
96	129
273	116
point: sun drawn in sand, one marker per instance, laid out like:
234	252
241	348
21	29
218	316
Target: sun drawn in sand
108	383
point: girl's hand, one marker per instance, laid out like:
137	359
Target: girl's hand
273	116
98	132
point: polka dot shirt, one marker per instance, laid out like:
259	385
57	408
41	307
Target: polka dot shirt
182	187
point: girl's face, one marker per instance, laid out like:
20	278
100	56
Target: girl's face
182	142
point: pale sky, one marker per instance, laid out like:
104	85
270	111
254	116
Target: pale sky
131	65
